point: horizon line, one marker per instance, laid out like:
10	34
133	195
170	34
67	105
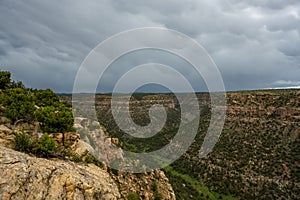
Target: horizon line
153	92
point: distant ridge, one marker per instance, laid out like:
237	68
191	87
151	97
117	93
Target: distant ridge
228	91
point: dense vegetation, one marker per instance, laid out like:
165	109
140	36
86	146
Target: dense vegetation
44	106
21	104
29	106
257	155
43	147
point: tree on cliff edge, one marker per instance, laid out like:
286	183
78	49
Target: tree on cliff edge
4	79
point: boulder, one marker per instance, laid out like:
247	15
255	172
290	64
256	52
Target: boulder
25	177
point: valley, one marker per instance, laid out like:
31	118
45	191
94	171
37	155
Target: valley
257	155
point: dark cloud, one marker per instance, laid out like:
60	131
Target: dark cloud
256	44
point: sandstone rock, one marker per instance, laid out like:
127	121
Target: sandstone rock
128	183
115	141
6	136
5	129
82	146
95	123
5	120
71	138
84	122
25	177
78	126
142	184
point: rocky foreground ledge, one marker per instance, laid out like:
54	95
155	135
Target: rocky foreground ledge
25	177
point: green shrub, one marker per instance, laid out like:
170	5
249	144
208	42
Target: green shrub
55	119
90	159
133	196
23	143
46	146
85	157
46	98
76	158
18	84
154	187
19	104
156	194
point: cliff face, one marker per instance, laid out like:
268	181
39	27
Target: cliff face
151	185
25	177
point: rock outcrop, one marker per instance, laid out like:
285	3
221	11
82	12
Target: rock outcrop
128	183
25	177
151	185
6	136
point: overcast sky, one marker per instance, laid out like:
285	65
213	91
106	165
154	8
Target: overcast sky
255	44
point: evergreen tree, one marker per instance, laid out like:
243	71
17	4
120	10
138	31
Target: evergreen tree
46	98
55	119
19	104
4	79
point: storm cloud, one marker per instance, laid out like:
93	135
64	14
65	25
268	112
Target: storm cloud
255	44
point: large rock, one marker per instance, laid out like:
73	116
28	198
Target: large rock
25	177
82	146
71	138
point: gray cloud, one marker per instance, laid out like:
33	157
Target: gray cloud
256	44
